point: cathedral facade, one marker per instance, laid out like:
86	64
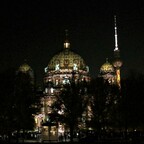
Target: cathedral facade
62	68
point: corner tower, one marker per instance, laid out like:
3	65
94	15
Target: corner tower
107	72
26	69
117	63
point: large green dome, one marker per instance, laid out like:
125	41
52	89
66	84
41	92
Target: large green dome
66	59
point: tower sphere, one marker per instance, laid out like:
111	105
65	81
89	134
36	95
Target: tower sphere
117	63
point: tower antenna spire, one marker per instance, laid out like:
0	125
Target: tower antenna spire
116	37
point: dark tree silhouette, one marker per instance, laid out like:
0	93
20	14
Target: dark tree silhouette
18	102
25	102
7	102
132	102
104	105
72	101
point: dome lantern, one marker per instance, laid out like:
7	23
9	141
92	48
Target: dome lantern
66	43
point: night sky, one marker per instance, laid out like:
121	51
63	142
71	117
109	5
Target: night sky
35	30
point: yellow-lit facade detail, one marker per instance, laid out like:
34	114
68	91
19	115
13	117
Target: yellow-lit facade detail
118	78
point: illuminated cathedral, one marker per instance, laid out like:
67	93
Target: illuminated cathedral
60	70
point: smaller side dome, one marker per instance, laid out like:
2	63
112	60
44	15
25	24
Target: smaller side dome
106	68
24	68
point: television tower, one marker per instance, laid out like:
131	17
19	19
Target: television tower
117	63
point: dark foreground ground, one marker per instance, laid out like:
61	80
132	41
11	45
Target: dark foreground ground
80	142
89	139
